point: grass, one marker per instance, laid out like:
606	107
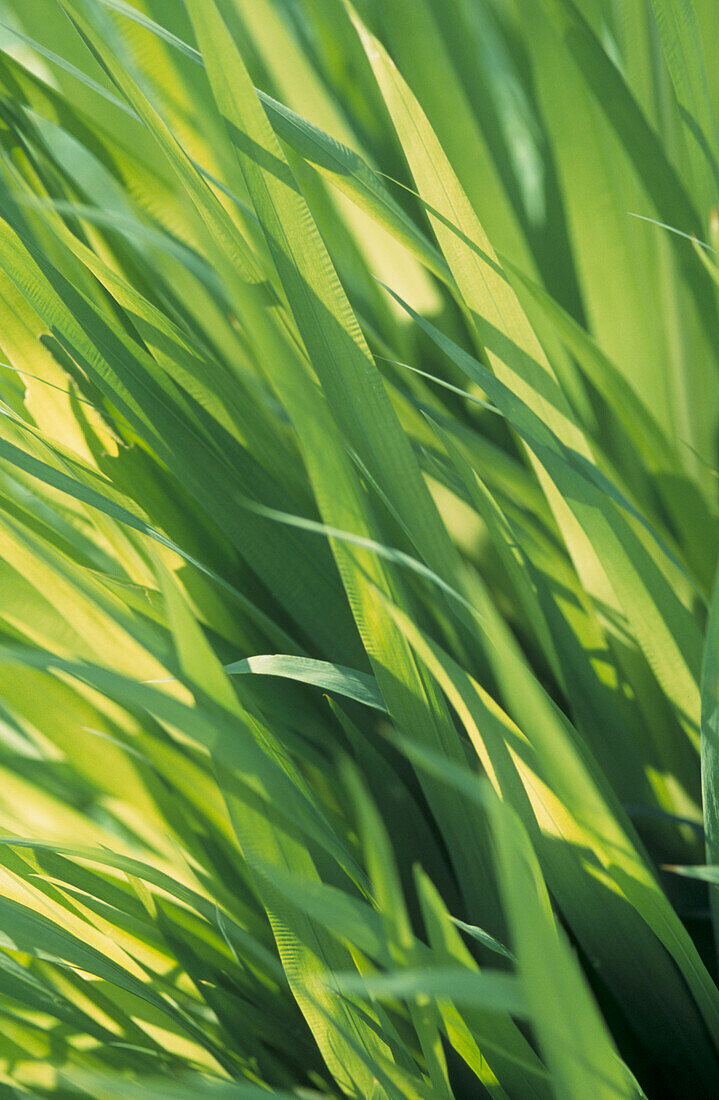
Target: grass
359	637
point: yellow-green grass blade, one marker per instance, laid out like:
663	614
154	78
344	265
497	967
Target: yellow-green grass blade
569	1027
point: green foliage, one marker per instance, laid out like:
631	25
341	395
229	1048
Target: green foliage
359	638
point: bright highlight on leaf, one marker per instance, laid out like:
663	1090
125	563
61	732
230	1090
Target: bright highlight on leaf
359	528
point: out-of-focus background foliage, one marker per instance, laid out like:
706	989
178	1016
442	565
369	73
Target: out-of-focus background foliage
359	662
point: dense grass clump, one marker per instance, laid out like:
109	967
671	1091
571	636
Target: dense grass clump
359	663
